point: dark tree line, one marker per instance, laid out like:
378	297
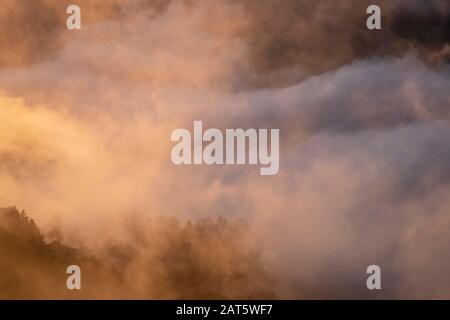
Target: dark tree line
208	259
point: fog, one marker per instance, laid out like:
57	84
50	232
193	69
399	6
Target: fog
86	118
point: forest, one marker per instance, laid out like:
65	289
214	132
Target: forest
206	259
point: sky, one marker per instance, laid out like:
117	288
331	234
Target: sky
86	117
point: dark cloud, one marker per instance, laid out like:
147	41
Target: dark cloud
29	32
287	40
294	39
425	23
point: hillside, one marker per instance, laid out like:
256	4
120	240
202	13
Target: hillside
206	259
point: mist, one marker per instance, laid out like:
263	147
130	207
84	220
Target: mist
364	176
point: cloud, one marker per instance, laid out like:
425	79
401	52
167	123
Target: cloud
86	125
